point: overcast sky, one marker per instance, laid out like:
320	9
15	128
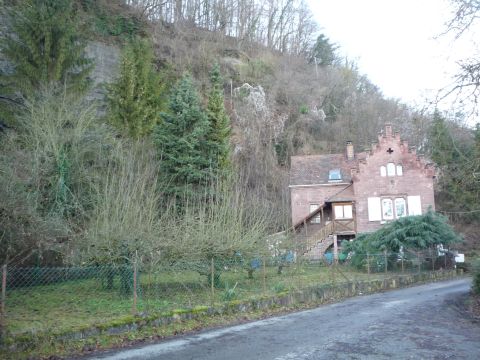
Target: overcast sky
396	43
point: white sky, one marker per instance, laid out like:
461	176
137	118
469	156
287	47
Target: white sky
396	43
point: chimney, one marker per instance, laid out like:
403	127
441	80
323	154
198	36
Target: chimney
350	152
388	130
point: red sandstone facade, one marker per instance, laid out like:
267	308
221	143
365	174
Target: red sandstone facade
340	195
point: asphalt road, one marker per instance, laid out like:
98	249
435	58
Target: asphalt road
423	322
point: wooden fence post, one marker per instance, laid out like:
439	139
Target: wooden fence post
264	276
212	269
433	260
418	261
134	306
4	296
368	265
386	261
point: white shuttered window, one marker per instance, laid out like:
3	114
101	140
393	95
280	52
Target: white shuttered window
414	205
374	209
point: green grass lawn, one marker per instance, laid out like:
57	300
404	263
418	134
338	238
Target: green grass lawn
77	304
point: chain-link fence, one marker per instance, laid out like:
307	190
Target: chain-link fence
75	298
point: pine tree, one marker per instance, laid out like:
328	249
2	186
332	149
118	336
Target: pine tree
220	123
137	98
185	153
44	45
323	52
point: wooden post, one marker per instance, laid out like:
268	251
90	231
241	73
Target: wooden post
212	269
418	261
386	261
4	296
402	262
433	260
335	248
134	307
264	276
368	265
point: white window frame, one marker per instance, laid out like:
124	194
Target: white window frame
384	202
344	211
317	219
397	201
383	171
399	170
390	169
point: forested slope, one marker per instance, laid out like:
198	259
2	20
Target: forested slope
94	165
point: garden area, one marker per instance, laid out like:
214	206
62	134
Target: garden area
66	300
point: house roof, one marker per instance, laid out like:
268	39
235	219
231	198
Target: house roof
314	169
345	194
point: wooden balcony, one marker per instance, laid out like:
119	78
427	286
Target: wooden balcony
344	226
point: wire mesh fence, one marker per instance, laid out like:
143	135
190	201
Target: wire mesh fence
71	298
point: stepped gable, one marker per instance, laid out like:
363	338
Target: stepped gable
409	157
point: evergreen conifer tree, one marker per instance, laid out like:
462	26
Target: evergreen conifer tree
186	162
44	45
220	132
137	97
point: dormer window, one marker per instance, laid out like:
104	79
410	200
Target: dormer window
335	175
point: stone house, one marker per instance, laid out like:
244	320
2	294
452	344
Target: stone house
336	196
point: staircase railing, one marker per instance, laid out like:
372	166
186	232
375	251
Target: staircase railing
319	236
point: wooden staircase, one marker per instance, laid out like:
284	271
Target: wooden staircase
318	243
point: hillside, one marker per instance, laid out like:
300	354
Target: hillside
280	101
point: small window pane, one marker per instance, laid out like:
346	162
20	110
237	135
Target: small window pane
391	169
400	207
338	212
387	209
335	174
383	171
347	212
316	219
399	170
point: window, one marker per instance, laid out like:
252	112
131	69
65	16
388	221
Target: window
335	175
317	218
400	208
383	171
391	169
399	170
387	209
343	211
